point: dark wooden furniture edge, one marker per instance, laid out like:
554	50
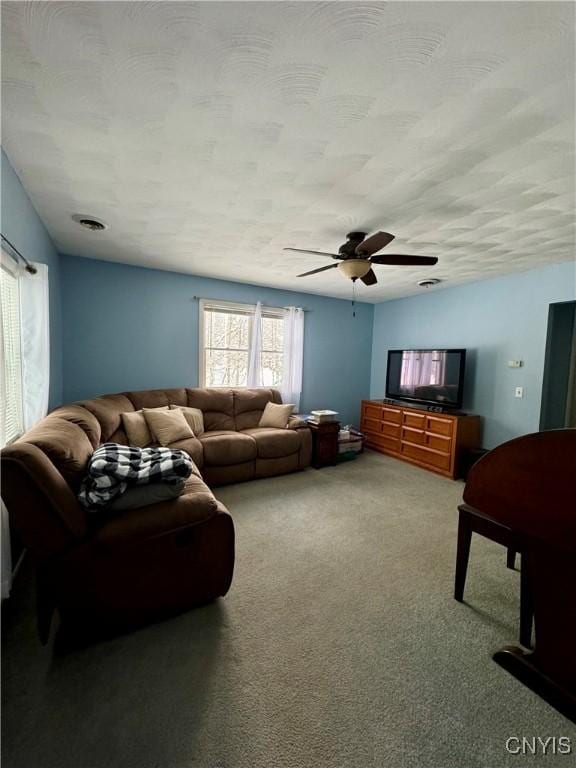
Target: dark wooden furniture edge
465	434
528	485
324	443
519	664
471	521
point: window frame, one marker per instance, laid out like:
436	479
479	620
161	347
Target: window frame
233	307
7	264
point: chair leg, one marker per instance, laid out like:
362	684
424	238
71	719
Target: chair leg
462	555
526	606
511	558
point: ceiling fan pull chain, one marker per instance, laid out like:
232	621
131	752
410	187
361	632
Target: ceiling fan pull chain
353	298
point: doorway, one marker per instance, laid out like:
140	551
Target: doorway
559	386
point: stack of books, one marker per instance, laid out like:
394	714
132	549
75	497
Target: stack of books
321	417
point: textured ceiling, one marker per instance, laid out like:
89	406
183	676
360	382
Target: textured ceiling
210	135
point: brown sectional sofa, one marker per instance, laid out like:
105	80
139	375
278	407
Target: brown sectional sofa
135	566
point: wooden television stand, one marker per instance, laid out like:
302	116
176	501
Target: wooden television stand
429	439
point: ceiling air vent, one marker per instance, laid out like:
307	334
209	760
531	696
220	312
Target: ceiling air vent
89	222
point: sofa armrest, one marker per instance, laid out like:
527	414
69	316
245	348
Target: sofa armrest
296	422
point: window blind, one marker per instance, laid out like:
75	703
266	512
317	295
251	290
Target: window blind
11	414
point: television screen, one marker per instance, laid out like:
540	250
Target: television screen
433	376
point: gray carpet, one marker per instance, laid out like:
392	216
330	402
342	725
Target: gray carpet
338	646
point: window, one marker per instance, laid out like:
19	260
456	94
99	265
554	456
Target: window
272	354
11	395
438	368
226	332
422	368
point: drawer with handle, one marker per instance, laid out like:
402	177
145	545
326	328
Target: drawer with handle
383	441
439	442
427	456
392	415
417	420
415	436
371	411
392	430
439	426
370	425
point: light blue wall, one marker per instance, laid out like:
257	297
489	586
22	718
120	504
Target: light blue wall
133	328
23	227
124	327
496	321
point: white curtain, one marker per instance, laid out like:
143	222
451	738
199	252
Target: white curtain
254	356
293	356
3	384
35	335
35	352
5	555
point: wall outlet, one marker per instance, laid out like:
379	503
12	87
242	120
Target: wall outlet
514	363
519	392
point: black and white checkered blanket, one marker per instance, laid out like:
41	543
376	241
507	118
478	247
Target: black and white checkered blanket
113	468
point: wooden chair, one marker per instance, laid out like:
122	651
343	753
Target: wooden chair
523	493
472	521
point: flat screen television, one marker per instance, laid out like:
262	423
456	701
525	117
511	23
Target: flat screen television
427	376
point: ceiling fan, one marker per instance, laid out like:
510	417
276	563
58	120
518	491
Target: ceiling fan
358	255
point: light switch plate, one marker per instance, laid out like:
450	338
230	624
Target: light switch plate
519	392
514	363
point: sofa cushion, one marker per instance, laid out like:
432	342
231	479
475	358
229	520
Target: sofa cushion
235	473
108	410
119	436
274	443
66	445
217	405
193	448
193	416
223	448
43	508
273	467
75	414
249	404
196	504
155	398
167	426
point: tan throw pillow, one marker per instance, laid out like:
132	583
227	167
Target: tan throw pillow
136	427
193	416
275	415
167	426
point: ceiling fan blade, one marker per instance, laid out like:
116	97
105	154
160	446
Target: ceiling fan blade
369	278
320	269
374	243
395	260
320	253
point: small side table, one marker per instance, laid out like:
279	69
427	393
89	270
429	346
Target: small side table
324	443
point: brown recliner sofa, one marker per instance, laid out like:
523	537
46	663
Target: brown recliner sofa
131	567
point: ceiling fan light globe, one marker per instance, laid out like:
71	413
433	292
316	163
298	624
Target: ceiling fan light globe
354	268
